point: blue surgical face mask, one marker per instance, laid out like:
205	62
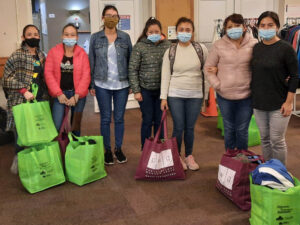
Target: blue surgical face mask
69	41
235	33
184	36
267	34
154	37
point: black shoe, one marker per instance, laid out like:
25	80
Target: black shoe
108	158
121	158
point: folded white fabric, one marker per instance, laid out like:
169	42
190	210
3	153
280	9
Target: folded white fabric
274	175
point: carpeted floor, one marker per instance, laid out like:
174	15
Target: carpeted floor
118	199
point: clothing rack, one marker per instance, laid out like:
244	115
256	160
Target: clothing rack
219	25
217	29
251	21
289	33
292	21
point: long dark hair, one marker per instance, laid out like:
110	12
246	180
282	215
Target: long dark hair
25	29
151	21
272	15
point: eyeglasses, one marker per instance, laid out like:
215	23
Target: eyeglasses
111	16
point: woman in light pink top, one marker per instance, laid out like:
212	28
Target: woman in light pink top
231	55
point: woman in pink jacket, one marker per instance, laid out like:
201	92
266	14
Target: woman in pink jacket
67	75
231	55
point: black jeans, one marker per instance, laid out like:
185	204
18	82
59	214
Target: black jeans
151	113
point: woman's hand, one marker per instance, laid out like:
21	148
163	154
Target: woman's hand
28	96
212	69
76	96
164	105
138	97
73	100
62	99
92	92
286	109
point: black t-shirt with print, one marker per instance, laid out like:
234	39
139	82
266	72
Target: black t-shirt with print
66	66
37	78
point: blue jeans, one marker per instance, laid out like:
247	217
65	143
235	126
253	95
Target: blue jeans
236	118
185	112
58	110
151	113
104	98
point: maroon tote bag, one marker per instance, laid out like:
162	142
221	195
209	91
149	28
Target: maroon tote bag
63	138
160	160
233	177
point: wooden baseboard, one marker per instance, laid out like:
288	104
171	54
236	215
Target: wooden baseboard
2	64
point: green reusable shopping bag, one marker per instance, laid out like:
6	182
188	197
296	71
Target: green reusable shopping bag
220	124
275	207
40	167
84	159
34	122
253	131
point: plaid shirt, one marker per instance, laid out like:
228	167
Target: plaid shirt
18	73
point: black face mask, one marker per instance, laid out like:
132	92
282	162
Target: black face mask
33	42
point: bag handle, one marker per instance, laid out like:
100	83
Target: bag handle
71	135
34	88
163	121
65	126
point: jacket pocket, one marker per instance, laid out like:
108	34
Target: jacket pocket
99	49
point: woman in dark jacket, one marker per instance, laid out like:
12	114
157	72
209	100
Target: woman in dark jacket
145	75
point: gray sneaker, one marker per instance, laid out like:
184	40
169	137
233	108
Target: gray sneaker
14	166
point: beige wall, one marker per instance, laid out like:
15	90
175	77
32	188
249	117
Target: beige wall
14	15
290	2
62	17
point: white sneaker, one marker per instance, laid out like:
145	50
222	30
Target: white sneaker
14	165
191	164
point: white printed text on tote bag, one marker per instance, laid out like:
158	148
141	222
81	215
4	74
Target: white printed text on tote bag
160	160
226	176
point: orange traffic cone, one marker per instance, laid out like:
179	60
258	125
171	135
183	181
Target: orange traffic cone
211	108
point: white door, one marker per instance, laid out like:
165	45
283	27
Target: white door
253	8
208	12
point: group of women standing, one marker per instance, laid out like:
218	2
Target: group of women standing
162	76
250	75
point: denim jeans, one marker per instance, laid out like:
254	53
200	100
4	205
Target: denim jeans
272	127
185	112
151	113
58	110
236	118
104	98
